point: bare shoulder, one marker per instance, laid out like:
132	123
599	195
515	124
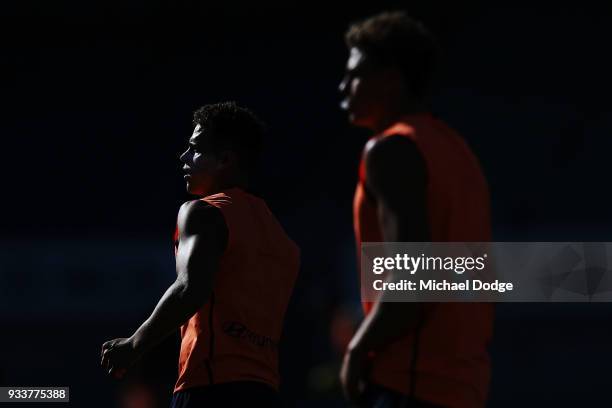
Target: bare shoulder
198	216
393	154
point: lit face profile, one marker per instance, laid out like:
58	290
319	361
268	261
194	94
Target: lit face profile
369	90
200	164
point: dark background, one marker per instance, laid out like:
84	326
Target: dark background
96	102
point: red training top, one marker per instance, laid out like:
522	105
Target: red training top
445	360
235	335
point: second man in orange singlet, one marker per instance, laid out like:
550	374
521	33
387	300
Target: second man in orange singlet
418	182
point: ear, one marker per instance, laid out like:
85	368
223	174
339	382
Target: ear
395	77
227	159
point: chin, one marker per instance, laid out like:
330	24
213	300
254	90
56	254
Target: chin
359	121
357	118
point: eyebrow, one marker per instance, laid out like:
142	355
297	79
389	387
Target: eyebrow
194	141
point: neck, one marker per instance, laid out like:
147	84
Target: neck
236	181
393	115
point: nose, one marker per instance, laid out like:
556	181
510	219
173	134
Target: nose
183	156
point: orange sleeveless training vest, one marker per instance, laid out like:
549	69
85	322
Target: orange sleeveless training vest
445	360
235	336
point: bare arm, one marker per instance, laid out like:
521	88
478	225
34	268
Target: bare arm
396	176
202	241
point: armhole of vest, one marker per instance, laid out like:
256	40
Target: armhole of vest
230	235
227	226
211	340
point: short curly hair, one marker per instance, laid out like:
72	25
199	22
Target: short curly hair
232	127
395	38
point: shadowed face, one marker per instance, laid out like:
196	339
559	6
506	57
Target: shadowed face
369	90
200	164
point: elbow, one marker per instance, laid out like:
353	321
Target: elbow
192	294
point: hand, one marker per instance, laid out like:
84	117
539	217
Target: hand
118	355
353	375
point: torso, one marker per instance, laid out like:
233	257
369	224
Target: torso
234	337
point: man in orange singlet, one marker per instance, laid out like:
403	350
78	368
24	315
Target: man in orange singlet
418	182
235	268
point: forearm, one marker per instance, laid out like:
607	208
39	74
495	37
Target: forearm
174	308
386	323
